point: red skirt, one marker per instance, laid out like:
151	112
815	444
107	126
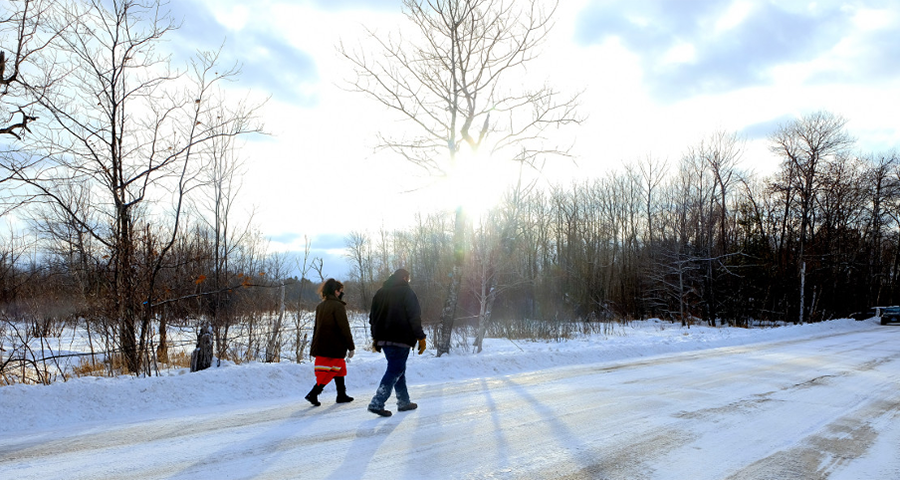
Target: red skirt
328	368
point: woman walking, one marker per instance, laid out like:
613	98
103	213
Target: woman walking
331	342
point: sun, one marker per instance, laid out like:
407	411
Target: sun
476	183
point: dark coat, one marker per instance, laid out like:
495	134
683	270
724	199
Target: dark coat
331	335
396	316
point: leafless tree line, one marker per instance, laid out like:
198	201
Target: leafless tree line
259	310
700	240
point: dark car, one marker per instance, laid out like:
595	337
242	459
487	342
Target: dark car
864	315
890	315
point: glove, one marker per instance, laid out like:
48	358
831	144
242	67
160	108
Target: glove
375	346
421	346
350	354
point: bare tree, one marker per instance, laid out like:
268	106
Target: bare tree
715	159
25	73
305	311
362	264
126	127
278	268
491	270
220	177
721	153
651	174
805	146
451	84
883	190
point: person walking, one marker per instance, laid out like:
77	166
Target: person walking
331	342
396	323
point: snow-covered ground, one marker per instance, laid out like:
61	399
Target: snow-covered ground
590	394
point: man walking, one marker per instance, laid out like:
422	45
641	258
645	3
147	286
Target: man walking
396	323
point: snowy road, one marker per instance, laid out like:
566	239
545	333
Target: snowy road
824	407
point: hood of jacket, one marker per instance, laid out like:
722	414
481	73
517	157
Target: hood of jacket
393	281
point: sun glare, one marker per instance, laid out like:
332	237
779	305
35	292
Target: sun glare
476	183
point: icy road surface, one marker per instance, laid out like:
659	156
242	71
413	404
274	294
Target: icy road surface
816	408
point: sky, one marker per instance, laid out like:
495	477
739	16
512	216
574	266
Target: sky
648	399
657	78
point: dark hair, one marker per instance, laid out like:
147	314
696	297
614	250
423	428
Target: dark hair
329	287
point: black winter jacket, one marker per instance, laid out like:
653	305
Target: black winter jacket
331	334
396	316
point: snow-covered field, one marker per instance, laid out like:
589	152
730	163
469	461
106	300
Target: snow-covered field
579	398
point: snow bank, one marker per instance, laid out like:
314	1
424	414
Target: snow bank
83	401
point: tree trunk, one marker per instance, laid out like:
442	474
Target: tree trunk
448	314
681	294
201	358
162	350
802	290
273	347
484	314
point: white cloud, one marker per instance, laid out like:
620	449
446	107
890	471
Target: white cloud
681	52
233	17
868	19
736	13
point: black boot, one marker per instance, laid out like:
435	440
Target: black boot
342	391
313	395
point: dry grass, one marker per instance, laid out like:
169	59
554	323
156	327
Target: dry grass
102	368
111	366
25	372
179	360
90	368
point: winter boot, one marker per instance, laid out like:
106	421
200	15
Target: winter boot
313	395
380	411
341	391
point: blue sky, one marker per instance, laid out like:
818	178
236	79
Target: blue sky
658	77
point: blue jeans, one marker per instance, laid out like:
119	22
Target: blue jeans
394	378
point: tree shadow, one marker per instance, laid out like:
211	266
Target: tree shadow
369	437
502	443
269	444
440	401
569	442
